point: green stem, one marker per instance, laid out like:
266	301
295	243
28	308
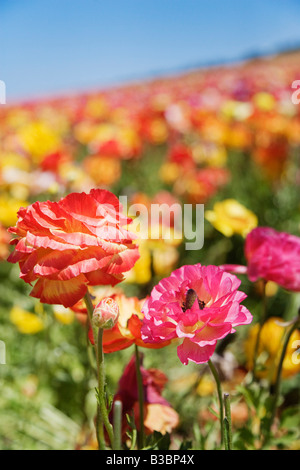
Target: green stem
99	423
118	425
278	378
227	420
99	429
102	415
141	434
101	389
90	309
219	389
261	324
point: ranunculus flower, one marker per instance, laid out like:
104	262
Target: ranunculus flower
270	346
8	209
272	256
63	315
27	323
127	330
197	304
159	415
230	217
39	139
66	246
106	313
182	155
199	185
103	170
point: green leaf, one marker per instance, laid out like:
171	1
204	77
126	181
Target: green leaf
186	445
212	411
243	439
158	441
290	418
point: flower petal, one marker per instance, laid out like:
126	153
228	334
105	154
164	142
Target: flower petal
66	293
189	351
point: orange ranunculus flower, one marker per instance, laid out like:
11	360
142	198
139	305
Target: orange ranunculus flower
66	246
127	330
202	184
271	153
103	170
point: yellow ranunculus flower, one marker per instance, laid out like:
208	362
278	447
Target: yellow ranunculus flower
141	271
75	178
63	315
158	131
211	154
26	322
96	107
104	132
39	140
158	251
206	386
230	217
169	172
164	259
8	210
17	116
14	160
270	349
237	110
264	101
129	140
84	132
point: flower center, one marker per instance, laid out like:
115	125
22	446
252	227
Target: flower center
193	328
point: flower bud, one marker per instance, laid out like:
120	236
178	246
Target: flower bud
106	313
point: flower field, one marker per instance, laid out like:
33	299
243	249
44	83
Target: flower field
190	337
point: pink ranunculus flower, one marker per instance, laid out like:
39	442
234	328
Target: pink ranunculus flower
272	256
198	304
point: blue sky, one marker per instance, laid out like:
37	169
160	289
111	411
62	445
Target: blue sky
54	46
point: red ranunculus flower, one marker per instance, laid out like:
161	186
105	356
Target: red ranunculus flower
66	246
158	414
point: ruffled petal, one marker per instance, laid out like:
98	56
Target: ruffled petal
189	351
66	293
211	333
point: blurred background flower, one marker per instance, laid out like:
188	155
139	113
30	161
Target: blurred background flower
230	217
270	349
26	322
